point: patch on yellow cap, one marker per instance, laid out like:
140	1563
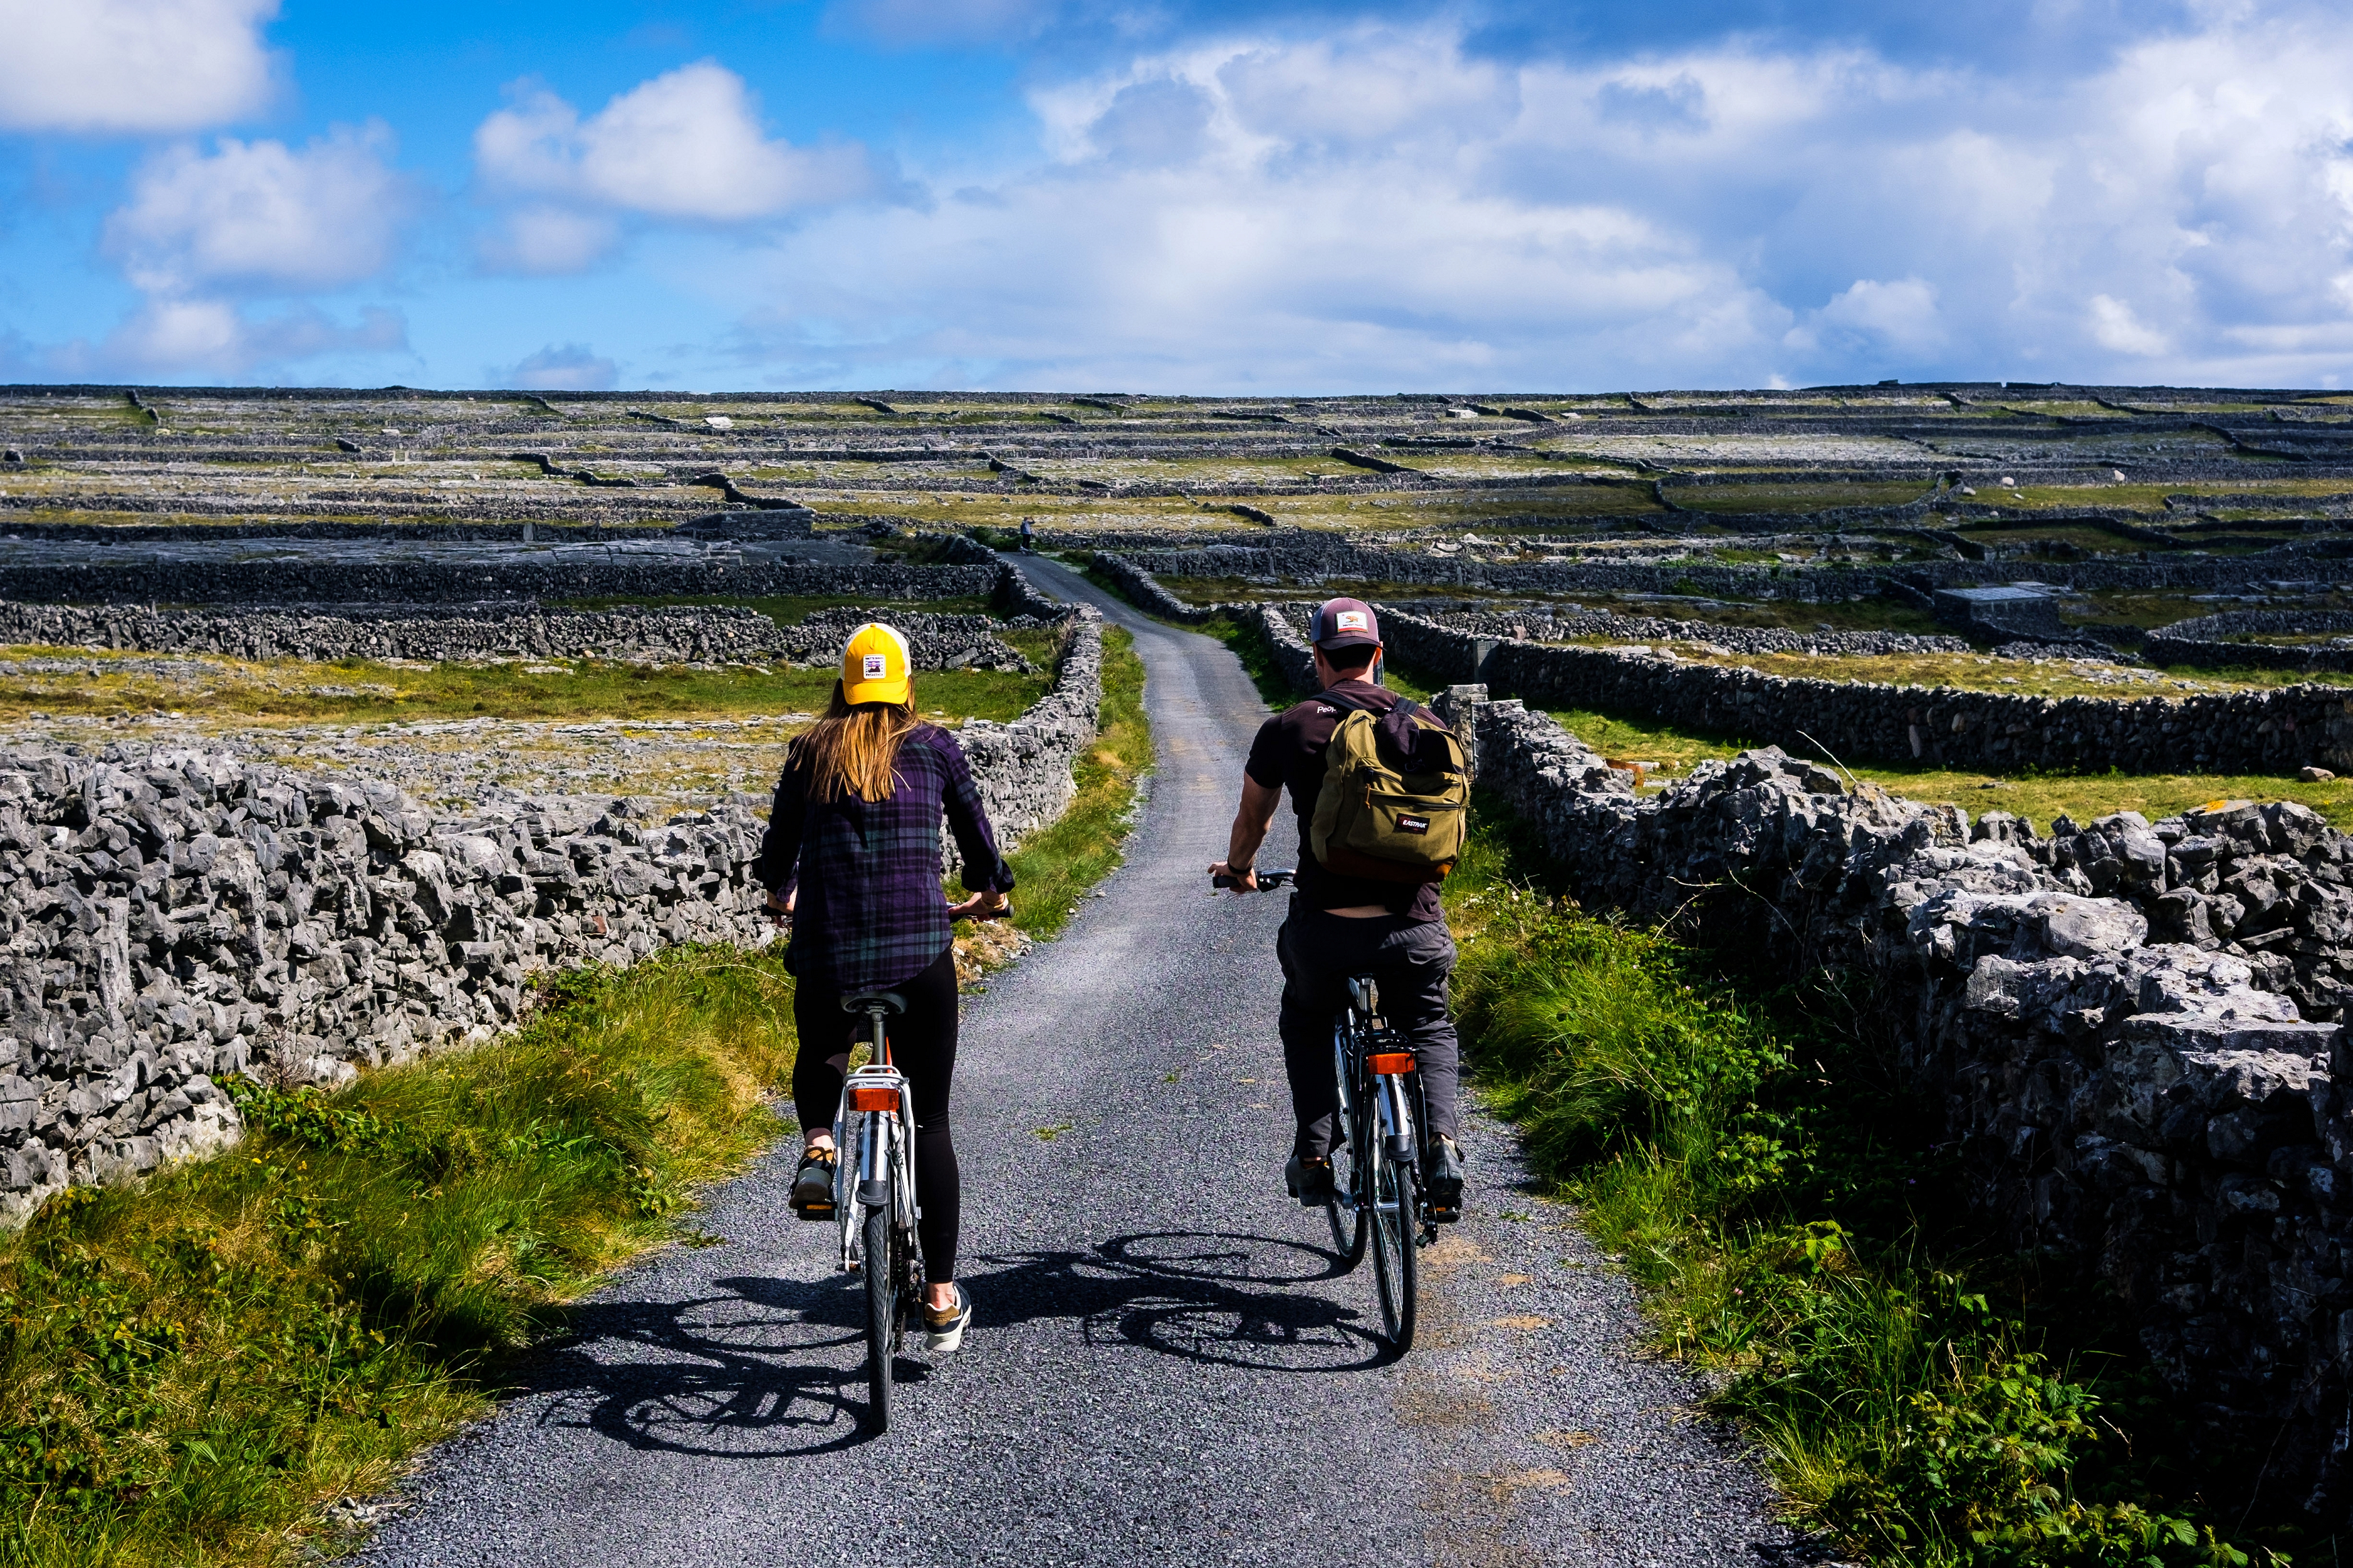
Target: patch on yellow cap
875	666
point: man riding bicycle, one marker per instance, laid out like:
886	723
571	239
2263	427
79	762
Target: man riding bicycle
1341	925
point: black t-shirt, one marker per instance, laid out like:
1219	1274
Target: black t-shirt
1288	755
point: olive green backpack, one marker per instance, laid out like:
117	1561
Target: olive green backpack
1396	801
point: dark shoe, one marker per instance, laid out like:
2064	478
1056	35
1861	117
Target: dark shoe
1310	1181
813	1186
943	1331
1441	1181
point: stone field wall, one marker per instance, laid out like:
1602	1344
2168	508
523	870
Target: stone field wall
1548	623
1313	558
2205	641
2131	1087
171	916
390	580
2230	732
444	632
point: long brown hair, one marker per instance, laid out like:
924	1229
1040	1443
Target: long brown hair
855	751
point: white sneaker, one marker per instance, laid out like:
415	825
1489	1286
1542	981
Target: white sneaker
944	1332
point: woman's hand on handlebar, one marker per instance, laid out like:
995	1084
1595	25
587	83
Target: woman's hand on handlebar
1224	876
978	907
780	910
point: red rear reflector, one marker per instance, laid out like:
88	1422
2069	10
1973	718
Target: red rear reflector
873	1099
1387	1063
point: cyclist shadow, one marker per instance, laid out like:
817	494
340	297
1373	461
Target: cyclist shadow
1216	1298
761	1369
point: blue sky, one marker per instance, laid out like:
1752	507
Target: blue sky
1212	198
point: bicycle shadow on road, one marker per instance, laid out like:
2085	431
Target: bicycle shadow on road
768	1369
1216	1298
762	1368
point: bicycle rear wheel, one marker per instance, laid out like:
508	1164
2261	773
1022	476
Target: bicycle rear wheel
881	1272
1397	1227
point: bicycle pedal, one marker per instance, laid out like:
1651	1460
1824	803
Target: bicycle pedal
817	1214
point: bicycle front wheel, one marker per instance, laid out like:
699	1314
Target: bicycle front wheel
1397	1227
881	1314
1347	1212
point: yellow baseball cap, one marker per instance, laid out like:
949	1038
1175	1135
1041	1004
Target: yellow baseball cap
874	665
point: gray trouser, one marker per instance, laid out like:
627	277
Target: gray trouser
1409	961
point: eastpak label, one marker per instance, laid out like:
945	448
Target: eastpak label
1413	825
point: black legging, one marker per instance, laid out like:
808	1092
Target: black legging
922	1046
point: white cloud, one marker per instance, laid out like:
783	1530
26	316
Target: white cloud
2114	326
216	340
684	146
261	214
573	368
132	65
1383	207
1869	316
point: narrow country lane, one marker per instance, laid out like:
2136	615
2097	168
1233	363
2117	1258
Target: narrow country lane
1162	1367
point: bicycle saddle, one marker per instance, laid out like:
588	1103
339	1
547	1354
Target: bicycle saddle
891	1002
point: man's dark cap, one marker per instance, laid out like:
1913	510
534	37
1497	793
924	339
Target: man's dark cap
1345	622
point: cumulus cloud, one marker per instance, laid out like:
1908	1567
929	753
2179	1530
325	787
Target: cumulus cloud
261	215
1385	208
218	341
684	146
135	65
1871	317
574	367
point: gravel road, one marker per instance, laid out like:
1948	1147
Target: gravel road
1162	1368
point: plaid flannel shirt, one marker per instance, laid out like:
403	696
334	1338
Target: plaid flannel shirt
869	911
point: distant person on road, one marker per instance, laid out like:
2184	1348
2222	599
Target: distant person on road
1026	527
1341	925
851	861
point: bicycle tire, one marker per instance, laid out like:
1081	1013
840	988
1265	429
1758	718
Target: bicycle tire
881	1314
1348	1223
1349	1228
1396	1239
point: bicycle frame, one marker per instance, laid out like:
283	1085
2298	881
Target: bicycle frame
1358	1035
878	1161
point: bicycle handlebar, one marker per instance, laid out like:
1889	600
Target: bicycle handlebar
1271	878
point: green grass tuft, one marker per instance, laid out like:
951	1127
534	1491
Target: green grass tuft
1055	869
193	1366
1791	1219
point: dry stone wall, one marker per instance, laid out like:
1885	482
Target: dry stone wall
2275	731
1309	557
2207	642
1561	623
171	916
2143	1100
391	580
443	632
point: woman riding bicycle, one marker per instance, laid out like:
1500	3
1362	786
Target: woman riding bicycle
852	858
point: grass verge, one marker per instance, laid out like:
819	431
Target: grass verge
357	692
194	1367
1055	869
1787	1211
